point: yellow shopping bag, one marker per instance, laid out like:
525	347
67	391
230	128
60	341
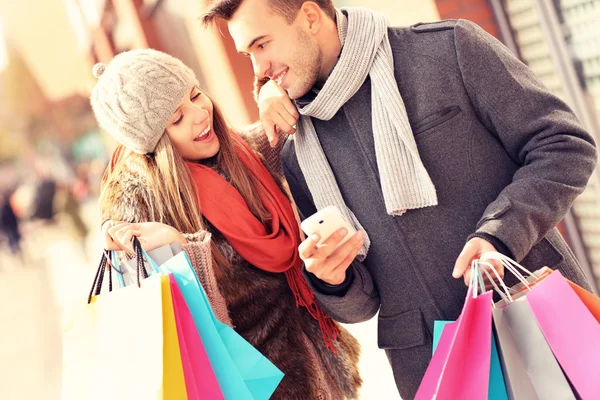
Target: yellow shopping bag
173	379
123	345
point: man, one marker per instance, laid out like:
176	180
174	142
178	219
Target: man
433	140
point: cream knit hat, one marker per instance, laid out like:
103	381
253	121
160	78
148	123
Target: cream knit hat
137	94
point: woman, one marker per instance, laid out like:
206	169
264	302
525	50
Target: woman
182	175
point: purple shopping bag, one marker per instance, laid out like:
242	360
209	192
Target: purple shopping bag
571	331
460	366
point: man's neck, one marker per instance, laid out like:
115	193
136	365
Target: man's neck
331	47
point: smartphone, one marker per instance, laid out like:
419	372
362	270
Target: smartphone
325	223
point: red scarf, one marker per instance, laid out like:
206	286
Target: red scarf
277	252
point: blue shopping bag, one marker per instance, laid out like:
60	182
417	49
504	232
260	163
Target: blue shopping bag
242	371
497	389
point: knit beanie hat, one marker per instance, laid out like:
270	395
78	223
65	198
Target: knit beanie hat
137	94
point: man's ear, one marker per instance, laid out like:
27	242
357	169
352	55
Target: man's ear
312	16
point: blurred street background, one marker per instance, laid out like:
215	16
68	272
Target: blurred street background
52	153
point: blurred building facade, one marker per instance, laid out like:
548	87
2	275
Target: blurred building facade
558	39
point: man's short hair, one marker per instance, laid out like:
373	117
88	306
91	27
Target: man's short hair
288	9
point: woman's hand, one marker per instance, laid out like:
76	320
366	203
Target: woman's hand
152	235
277	112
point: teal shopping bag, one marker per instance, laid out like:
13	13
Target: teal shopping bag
241	370
497	389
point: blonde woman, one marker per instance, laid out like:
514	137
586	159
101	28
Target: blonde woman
182	175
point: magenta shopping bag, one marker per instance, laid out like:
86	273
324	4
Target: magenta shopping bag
571	331
460	366
200	380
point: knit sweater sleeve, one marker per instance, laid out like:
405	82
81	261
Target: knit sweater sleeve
198	249
255	136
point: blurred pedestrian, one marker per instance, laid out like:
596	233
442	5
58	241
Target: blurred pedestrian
43	202
9	226
71	206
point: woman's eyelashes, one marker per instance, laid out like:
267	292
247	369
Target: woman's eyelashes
193	98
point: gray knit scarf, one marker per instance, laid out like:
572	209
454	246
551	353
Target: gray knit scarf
404	180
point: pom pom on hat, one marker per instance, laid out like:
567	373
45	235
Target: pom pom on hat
98	70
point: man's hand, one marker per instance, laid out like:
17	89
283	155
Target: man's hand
277	112
326	264
473	251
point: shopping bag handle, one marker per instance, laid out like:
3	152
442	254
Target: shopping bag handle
477	278
106	264
509	265
504	294
95	290
115	260
151	262
137	247
476	281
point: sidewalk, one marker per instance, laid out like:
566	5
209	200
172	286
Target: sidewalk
33	298
374	366
30	355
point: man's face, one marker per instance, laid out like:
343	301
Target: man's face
281	51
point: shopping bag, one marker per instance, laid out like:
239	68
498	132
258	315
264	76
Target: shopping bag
173	379
496	387
530	369
174	385
114	345
241	370
128	270
570	329
591	301
460	366
200	379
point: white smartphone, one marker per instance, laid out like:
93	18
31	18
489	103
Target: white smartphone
325	223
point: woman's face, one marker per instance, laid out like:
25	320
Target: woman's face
191	127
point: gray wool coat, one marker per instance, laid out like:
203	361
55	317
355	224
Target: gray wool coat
507	159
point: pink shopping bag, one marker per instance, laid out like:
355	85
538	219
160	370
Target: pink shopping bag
200	380
460	366
571	331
